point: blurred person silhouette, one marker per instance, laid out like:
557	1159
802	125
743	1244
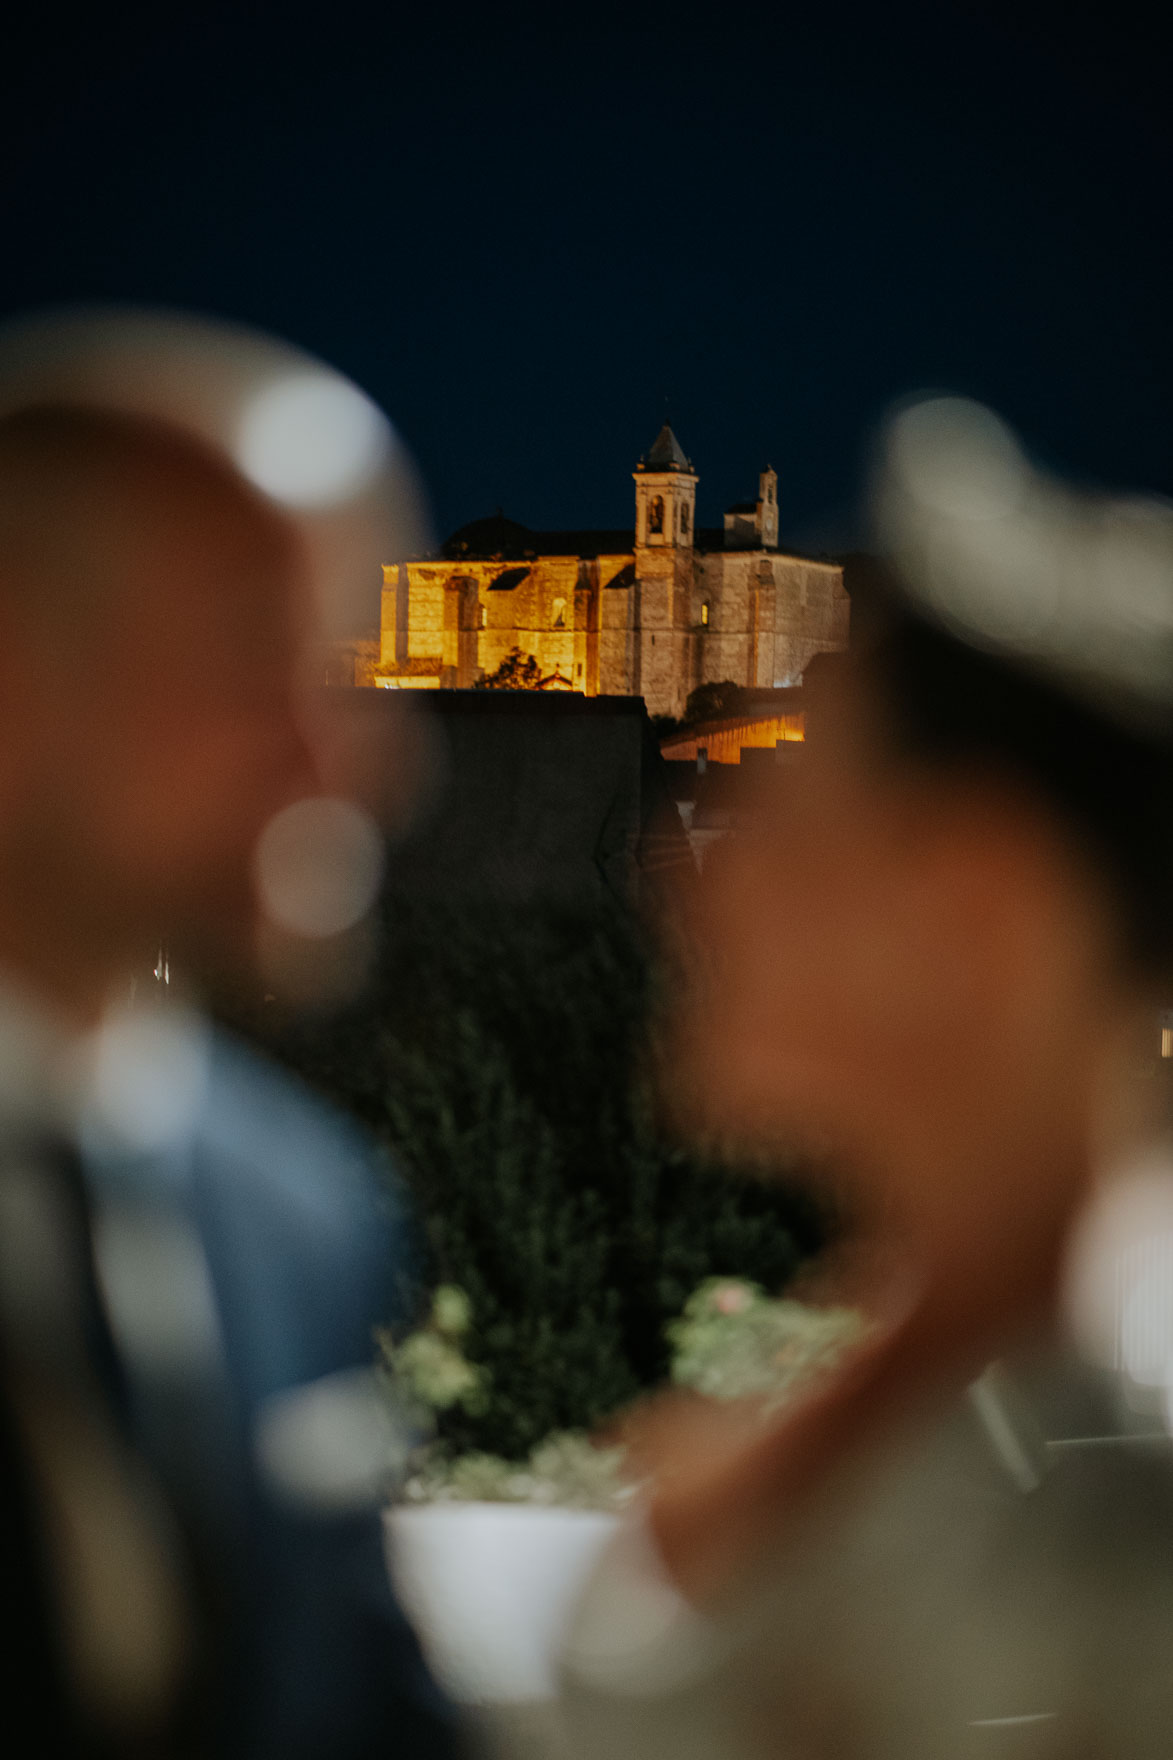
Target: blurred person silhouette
939	961
193	1251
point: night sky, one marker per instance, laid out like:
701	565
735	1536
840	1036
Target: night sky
524	234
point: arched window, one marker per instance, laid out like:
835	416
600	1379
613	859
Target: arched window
560	614
704	611
656	514
684	519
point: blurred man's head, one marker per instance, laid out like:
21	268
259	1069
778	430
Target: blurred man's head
153	614
934	948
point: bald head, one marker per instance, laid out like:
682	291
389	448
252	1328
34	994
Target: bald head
86	494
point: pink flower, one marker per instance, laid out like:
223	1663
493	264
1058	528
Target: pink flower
731	1298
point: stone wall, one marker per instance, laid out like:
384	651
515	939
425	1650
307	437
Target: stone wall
615	625
664	628
618	641
768	614
453	616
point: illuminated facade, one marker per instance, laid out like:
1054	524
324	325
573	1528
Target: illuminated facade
652	611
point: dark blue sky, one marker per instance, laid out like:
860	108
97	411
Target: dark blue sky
523	233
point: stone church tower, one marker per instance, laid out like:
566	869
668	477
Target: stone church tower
665	496
665	537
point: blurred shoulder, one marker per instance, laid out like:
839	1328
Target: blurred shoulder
302	1214
255	1111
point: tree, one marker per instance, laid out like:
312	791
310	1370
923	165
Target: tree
517	672
711	702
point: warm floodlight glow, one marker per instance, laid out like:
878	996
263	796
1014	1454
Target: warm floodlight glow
318	867
311	439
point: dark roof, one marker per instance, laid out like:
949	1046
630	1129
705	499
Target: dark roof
507	540
495	536
709	538
585	543
665	454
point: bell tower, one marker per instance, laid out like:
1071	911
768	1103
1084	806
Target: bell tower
665	565
665	496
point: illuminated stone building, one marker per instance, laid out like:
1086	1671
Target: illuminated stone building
650	611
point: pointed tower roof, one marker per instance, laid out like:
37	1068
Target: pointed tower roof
665	454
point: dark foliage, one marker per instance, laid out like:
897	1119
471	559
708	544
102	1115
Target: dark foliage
710	702
517	672
507	1061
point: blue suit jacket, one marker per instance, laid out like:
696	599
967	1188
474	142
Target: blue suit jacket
308	1250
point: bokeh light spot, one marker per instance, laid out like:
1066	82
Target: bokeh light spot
318	866
312	439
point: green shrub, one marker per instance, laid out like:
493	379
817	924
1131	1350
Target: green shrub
507	1058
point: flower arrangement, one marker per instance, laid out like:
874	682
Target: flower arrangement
735	1342
732	1341
427	1373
